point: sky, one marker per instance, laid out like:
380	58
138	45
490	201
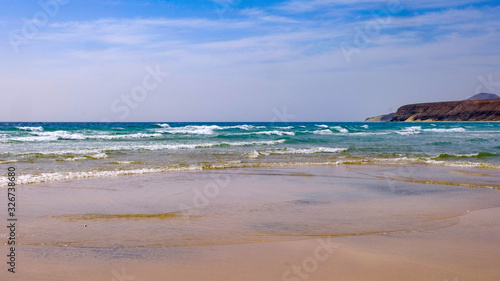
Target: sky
241	60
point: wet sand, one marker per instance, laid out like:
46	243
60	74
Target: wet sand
301	223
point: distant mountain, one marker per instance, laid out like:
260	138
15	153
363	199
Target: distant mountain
381	118
483	96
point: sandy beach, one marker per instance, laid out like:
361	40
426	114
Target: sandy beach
352	222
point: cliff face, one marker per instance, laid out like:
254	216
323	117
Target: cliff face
468	110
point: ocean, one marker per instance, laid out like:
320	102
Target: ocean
45	152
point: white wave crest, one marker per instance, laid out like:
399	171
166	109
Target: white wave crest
50	136
65	135
248	143
243	127
163	125
410	131
98	152
34	129
341	130
313	150
277	133
190	129
129	136
445	130
323	132
203	129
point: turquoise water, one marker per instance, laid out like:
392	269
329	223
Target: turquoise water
43	152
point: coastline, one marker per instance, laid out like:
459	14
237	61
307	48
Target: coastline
256	223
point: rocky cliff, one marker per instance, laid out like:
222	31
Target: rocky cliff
380	118
468	110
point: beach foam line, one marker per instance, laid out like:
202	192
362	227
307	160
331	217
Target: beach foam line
64	176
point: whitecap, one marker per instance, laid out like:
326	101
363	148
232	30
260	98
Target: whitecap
65	135
341	130
254	143
163	125
410	131
243	127
129	136
50	136
34	129
190	129
323	132
96	152
278	133
313	150
445	130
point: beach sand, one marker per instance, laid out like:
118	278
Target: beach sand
350	222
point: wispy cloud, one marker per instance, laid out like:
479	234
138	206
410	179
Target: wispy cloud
299	6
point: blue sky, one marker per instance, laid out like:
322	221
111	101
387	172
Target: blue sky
241	60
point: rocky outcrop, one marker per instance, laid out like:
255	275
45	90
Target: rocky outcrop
468	110
381	118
